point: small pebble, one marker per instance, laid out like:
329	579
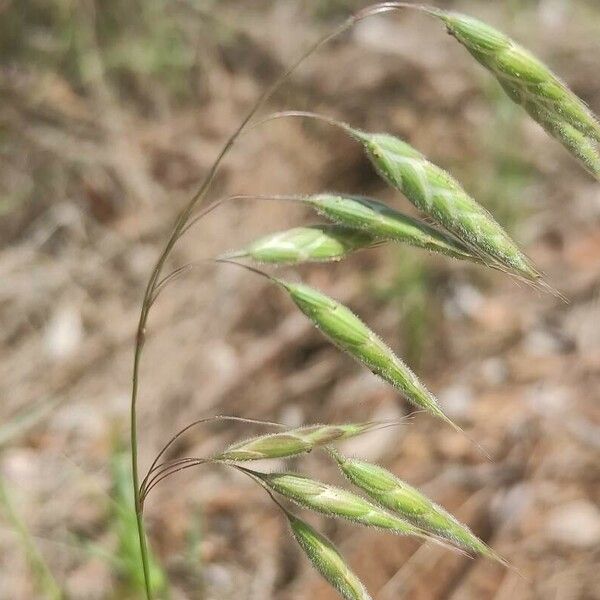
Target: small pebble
575	524
63	333
457	401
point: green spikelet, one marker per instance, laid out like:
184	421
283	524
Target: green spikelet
353	336
293	441
436	193
314	243
396	495
327	560
530	83
382	222
335	502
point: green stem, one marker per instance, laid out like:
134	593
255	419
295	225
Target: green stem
134	467
178	229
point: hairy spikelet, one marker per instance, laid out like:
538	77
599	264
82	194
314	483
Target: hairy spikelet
293	441
436	193
382	222
530	83
396	495
314	243
326	559
353	336
335	502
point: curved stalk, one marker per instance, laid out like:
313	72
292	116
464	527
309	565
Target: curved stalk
154	466
180	227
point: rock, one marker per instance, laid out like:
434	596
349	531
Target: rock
550	400
494	371
575	524
465	301
372	446
541	342
510	506
457	401
63	333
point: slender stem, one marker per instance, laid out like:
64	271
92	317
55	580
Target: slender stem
181	432
216	203
175	468
176	232
134	460
150	287
285	114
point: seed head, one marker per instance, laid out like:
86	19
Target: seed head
436	193
382	222
293	442
335	502
327	560
530	83
396	495
315	243
353	336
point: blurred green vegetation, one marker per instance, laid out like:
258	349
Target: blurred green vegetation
502	174
127	559
193	551
137	42
329	9
44	581
409	290
123	559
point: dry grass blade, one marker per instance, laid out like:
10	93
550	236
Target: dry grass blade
313	243
294	441
327	560
530	83
396	495
44	580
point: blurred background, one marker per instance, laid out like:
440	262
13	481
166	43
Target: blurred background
110	113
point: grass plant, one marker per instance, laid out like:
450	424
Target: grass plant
465	230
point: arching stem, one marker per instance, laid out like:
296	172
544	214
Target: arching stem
176	232
181	432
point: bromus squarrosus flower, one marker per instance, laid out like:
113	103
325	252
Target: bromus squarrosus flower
389	491
327	560
470	233
313	243
531	84
296	441
333	501
352	335
435	193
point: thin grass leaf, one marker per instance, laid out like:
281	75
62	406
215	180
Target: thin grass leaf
530	83
314	243
437	194
124	523
44	580
334	502
396	495
385	223
353	336
327	560
294	441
